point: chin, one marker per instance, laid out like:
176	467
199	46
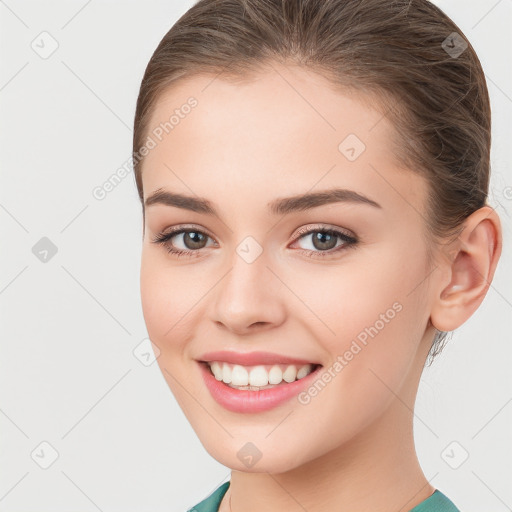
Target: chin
236	454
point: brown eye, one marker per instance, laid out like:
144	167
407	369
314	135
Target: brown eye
183	242
194	239
324	242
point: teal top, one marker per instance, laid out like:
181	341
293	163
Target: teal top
436	502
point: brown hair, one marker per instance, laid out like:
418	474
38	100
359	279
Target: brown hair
406	53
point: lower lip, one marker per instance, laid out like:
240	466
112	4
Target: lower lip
245	401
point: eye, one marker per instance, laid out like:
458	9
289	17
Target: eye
187	241
322	242
190	240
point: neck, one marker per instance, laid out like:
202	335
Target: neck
376	470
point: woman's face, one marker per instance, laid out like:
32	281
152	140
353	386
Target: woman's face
252	279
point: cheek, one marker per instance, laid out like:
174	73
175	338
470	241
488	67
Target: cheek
167	299
170	304
155	302
372	317
382	290
378	325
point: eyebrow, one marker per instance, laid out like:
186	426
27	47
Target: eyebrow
279	206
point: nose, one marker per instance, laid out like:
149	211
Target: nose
249	297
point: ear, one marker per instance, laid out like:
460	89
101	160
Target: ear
467	268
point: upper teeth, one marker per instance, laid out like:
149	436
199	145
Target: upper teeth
257	375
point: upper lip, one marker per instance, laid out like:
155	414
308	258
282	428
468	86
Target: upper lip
251	358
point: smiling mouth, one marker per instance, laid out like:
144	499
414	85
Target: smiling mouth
258	377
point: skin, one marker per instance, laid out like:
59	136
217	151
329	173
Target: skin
244	145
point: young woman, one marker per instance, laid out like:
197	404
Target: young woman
313	176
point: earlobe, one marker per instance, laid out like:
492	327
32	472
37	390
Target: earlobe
469	270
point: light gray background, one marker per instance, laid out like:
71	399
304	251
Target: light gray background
68	373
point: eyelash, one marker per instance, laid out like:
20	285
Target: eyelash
349	241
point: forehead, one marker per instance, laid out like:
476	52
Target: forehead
278	131
288	100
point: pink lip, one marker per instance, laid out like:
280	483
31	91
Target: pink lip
252	358
246	401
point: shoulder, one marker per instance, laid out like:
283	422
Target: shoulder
436	502
211	503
